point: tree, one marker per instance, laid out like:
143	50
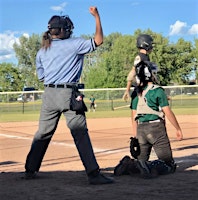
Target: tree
26	53
109	65
175	61
96	77
10	78
195	60
115	62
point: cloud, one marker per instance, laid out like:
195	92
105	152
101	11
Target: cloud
7	39
181	28
178	28
193	30
60	7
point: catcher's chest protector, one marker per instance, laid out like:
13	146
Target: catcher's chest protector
143	108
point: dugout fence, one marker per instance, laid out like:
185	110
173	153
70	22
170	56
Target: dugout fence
185	96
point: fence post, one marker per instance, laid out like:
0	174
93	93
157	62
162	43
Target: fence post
23	107
112	104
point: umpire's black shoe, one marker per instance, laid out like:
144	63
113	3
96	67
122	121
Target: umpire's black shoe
29	175
100	179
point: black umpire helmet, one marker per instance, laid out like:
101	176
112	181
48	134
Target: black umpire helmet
61	22
144	41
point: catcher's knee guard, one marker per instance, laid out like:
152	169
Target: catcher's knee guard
162	167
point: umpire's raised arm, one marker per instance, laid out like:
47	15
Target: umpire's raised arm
98	38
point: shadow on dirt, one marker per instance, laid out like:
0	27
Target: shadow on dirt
69	185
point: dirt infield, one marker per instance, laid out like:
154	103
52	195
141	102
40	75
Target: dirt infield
62	175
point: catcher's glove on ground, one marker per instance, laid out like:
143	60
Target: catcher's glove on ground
134	147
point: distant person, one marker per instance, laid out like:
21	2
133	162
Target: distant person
59	65
92	103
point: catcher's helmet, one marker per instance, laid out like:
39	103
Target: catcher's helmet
61	22
145	71
144	41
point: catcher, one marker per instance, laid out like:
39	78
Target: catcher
149	106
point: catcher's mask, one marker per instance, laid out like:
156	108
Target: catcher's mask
61	22
146	71
144	41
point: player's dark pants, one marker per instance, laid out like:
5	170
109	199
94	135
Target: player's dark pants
55	102
154	135
92	105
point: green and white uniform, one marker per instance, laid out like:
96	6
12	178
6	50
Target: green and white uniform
151	129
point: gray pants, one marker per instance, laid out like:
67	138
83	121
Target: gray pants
154	135
55	101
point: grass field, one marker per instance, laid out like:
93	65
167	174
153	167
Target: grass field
34	116
11	112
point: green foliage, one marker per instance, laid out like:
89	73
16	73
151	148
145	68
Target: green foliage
26	53
195	60
97	77
10	78
176	62
115	62
118	62
110	64
182	62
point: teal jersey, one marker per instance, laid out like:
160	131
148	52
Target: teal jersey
155	99
92	99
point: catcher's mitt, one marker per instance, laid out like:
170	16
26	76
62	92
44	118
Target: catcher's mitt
134	147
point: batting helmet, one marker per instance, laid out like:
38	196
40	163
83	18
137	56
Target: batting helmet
144	41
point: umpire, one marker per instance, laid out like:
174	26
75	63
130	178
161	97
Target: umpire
59	65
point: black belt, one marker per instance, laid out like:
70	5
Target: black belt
59	85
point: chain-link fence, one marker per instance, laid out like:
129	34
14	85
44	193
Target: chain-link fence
106	99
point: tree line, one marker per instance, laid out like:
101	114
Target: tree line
110	64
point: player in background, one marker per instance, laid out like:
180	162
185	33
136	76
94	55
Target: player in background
144	44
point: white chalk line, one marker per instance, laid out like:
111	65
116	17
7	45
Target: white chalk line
96	150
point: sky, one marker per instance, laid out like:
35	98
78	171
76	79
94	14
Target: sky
172	18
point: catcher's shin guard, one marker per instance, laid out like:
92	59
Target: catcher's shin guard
162	167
